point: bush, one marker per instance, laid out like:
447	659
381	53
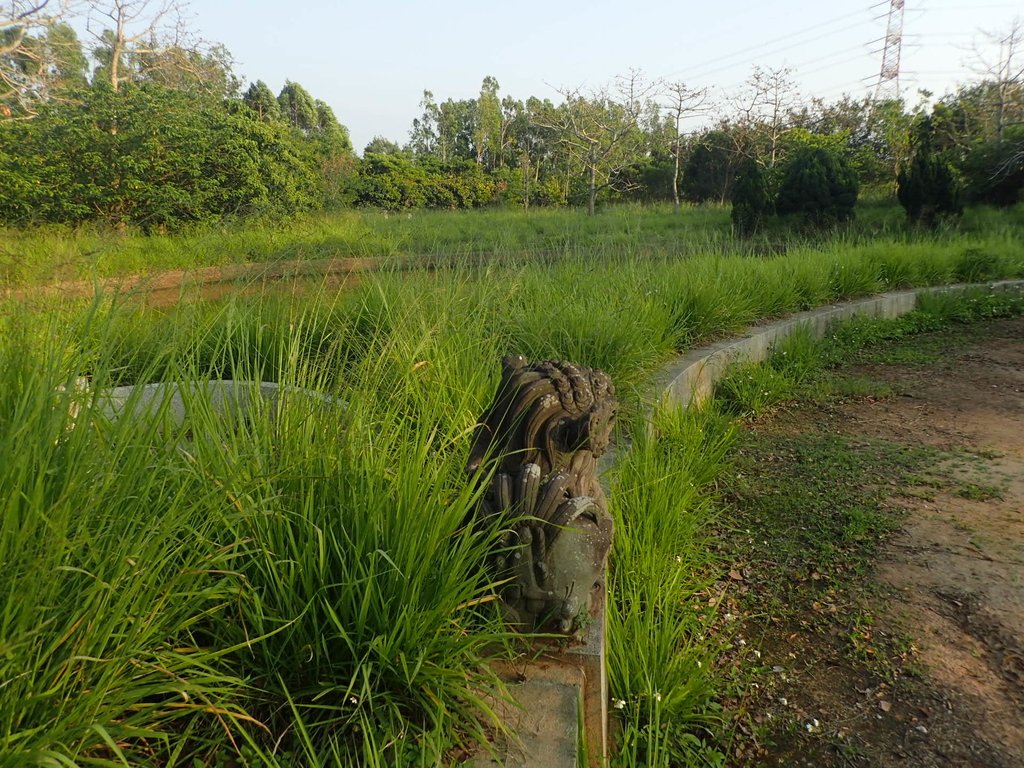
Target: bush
928	189
819	187
153	157
750	200
995	171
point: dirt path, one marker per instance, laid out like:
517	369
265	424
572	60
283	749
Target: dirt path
957	567
169	287
923	665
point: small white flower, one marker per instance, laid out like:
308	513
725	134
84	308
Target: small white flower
618	703
657	696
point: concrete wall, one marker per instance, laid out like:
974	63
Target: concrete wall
692	377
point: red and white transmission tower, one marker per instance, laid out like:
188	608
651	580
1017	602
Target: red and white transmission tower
889	76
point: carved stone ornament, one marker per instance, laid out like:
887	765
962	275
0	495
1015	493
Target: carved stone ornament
538	444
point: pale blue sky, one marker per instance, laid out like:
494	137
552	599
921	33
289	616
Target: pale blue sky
371	61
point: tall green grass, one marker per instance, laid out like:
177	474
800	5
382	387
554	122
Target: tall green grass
50	254
298	587
659	639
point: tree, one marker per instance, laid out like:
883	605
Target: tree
763	112
681	101
750	199
488	124
378	145
602	132
206	72
712	166
995	170
818	186
37	50
1005	73
298	108
134	37
260	99
928	189
170	161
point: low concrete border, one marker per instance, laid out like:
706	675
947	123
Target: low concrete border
227	397
691	378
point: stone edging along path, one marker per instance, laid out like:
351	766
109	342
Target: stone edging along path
691	378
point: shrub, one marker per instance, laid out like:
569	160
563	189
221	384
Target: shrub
818	186
750	200
928	189
154	157
995	171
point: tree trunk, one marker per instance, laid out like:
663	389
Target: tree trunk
675	179
592	159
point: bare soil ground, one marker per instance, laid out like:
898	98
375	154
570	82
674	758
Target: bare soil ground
165	289
934	673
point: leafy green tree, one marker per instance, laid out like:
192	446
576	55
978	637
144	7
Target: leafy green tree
298	107
153	157
927	187
260	99
206	72
751	202
995	169
378	145
711	167
487	128
818	187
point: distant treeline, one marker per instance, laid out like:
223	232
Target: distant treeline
161	136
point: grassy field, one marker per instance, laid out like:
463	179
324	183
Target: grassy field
42	256
297	588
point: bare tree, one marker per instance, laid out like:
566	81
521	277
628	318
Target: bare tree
764	108
135	38
601	130
681	102
1006	73
23	56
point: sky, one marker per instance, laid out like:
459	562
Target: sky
371	61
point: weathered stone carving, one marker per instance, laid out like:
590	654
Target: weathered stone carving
545	430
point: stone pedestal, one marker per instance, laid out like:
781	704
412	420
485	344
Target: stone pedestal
560	713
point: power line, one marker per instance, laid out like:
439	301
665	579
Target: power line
790	38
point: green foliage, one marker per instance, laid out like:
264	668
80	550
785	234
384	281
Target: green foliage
298	109
928	188
750	199
818	187
710	169
260	99
394	183
995	170
153	157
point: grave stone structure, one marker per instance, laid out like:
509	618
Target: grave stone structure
537	447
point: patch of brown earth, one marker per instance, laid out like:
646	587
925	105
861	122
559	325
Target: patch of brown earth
954	574
958	566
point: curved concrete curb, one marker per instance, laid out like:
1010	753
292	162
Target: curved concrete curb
691	378
232	398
